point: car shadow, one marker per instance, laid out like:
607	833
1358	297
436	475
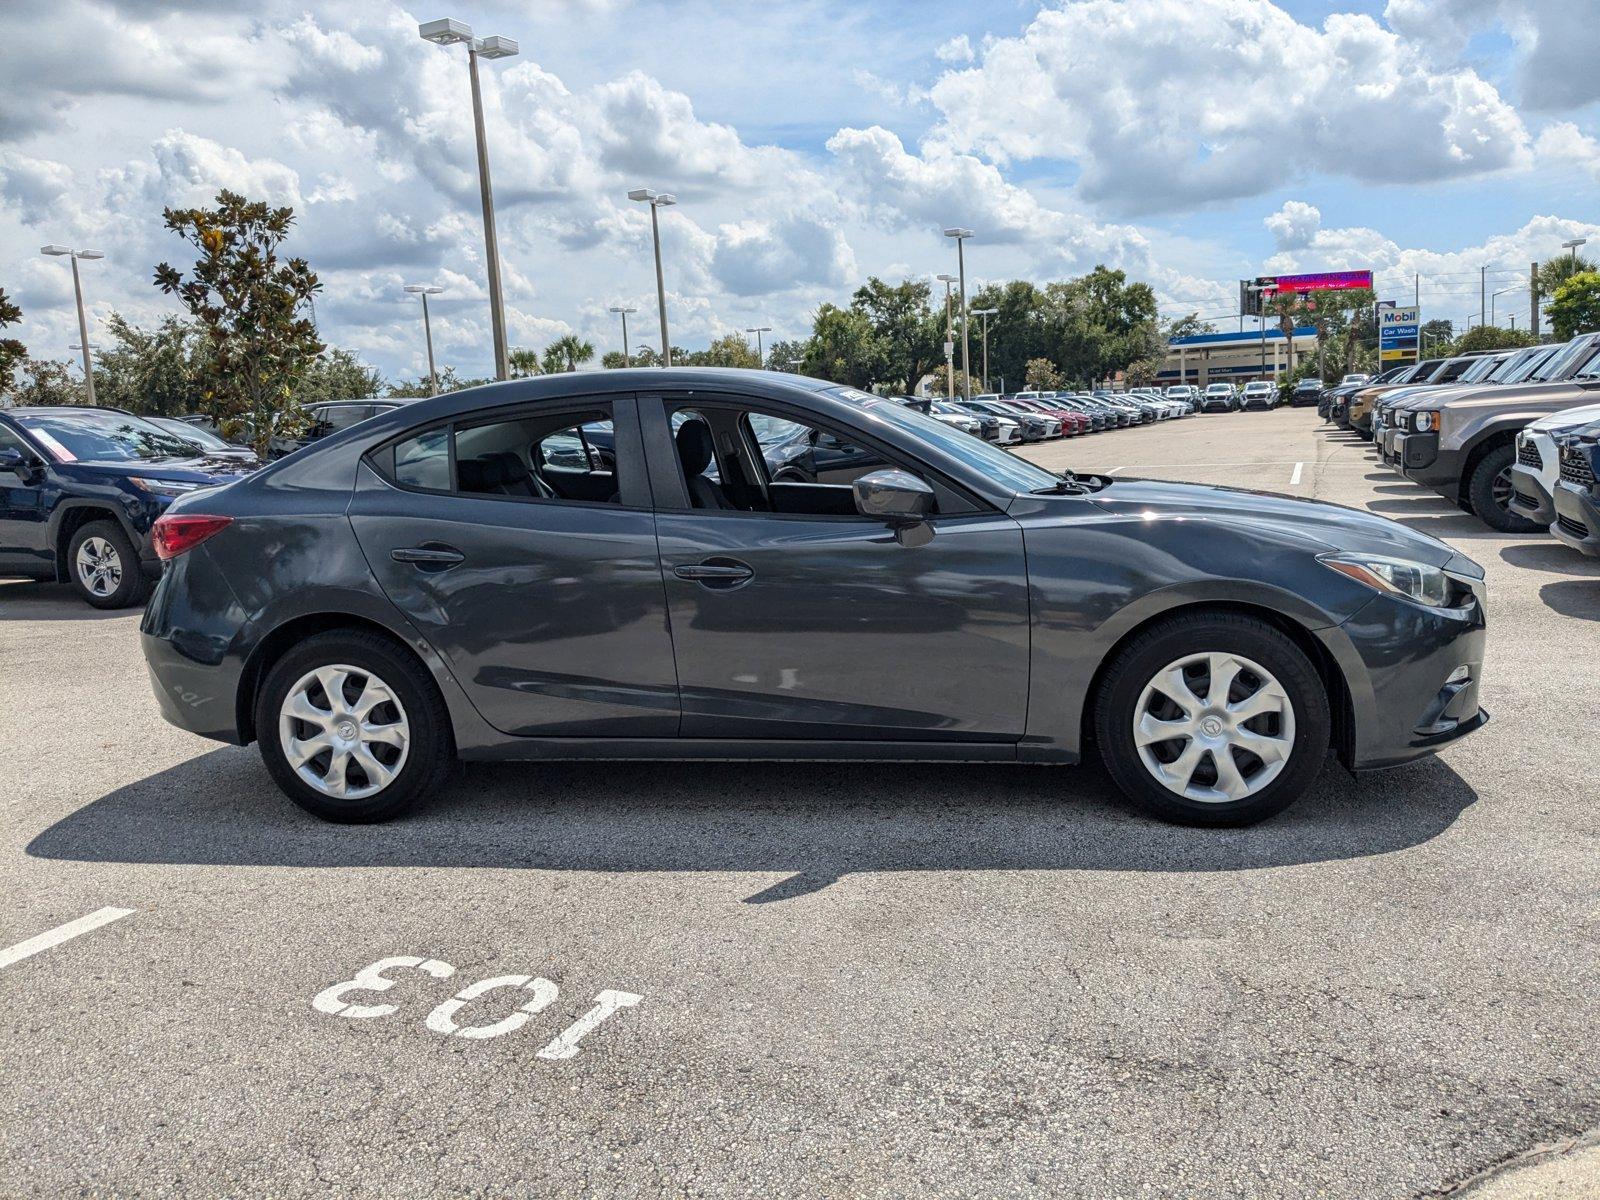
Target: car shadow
1549	555
1578	598
815	823
25	600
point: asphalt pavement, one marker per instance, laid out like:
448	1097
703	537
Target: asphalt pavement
802	979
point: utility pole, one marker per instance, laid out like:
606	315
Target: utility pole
1483	294
1533	292
949	340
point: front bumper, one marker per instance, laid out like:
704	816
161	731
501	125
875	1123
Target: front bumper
1422	461
1414	677
1577	518
1529	497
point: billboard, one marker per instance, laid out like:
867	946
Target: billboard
1319	281
1399	332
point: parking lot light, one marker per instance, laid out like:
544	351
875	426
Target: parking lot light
623	312
55	251
657	201
448	32
425	290
758	330
961	236
949	340
1572	248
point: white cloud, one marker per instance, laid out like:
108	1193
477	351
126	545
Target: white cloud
957	50
1294	225
1214	99
1565	147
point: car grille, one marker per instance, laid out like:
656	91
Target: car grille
1401	419
1528	455
1576	529
1576	467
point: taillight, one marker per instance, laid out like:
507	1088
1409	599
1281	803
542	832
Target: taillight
171	535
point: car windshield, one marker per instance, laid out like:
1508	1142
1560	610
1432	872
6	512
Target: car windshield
1567	358
1008	470
203	438
1520	366
103	437
1479	370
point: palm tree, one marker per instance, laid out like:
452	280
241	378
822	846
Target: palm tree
524	362
565	353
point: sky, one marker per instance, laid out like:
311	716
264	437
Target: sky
810	143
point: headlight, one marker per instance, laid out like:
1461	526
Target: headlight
1425	421
162	487
1412	581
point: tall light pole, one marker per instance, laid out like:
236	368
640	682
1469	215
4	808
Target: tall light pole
1501	292
1572	247
448	32
758	330
985	314
949	340
658	201
425	290
83	320
621	311
961	236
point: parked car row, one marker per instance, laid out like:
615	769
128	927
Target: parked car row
1255	396
1510	436
1038	416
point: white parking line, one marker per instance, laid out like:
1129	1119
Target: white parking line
1295	478
62	933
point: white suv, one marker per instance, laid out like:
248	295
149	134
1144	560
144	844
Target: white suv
1259	394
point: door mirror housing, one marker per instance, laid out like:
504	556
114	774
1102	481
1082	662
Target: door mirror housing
15	461
900	500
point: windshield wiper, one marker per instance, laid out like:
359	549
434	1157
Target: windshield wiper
1068	485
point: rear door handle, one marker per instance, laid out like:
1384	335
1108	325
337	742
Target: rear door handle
716	572
429	558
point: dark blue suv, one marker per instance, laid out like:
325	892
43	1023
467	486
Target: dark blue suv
80	489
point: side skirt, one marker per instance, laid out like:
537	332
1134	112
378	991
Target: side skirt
744	750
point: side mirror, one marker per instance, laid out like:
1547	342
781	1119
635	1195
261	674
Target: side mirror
900	500
15	461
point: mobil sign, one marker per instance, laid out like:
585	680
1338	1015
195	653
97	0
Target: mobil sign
1398	331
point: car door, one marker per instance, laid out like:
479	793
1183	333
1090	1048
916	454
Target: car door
793	617
24	528
541	588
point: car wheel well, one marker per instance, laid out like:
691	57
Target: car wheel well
1503	437
277	643
1339	702
72	520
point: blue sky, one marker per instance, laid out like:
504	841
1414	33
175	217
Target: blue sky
812	143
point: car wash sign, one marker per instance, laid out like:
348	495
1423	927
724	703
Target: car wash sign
1399	332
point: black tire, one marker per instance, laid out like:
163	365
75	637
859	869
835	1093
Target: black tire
1495	512
1138	663
430	753
120	575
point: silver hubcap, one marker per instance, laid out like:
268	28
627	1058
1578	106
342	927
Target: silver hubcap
1214	727
99	566
344	731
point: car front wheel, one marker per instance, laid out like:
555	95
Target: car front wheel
105	566
1489	493
352	728
1215	720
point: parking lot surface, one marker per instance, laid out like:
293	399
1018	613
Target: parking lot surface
807	979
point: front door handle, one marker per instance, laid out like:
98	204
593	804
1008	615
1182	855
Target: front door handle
429	558
716	572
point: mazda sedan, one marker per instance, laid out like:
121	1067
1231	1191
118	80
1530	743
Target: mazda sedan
469	577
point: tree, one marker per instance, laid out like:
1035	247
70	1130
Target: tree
248	304
413	389
909	332
1040	375
730	350
1575	306
45	381
565	353
1490	337
338	375
844	348
1189	326
156	371
12	352
525	362
1556	271
787	355
1438	331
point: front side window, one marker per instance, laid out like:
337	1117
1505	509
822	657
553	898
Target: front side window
103	437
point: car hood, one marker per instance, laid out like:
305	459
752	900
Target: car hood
1567	419
1331	526
205	470
1509	395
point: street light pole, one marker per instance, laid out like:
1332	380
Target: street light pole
448	32
961	236
949	340
658	201
984	314
627	359
1572	246
758	330
83	320
425	290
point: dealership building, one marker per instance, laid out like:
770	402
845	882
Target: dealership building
1233	357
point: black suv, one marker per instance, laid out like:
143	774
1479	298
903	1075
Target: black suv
330	417
80	489
1306	393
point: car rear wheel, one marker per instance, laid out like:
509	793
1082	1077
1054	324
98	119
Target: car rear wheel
1489	493
105	566
352	728
1216	720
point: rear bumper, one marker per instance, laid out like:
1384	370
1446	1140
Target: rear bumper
1577	518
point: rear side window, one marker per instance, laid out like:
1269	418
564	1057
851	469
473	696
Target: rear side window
424	461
